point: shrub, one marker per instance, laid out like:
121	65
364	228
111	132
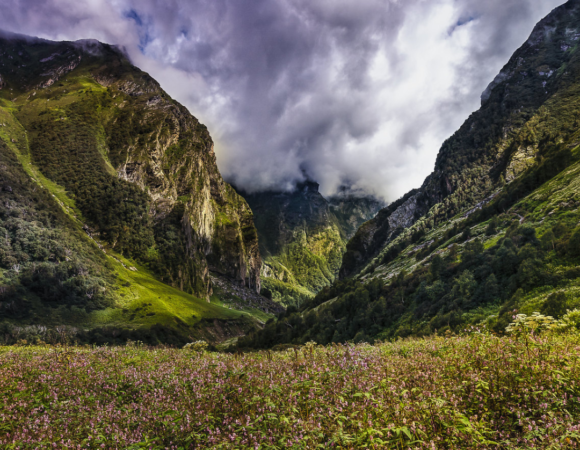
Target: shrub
197	346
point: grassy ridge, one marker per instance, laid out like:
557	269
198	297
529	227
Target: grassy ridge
472	392
140	299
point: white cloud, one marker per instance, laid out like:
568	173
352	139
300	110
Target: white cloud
360	92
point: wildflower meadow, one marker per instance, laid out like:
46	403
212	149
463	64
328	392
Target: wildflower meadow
474	391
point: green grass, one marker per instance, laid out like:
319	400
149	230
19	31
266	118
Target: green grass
143	300
14	130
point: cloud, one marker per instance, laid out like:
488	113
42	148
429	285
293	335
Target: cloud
342	91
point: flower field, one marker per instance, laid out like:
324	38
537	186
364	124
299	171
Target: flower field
476	391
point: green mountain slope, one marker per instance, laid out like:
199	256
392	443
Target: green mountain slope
493	230
302	238
113	209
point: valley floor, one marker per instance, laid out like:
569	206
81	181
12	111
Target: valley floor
474	391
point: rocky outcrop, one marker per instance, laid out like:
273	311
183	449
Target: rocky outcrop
302	237
372	236
54	74
352	210
175	163
238	297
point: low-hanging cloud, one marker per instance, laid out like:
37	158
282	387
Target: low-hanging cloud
357	93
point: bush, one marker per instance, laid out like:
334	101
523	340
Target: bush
197	346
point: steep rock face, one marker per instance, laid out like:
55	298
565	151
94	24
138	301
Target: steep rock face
175	163
302	237
117	135
352	211
374	234
494	145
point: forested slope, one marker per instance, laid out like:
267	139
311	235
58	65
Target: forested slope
492	232
303	237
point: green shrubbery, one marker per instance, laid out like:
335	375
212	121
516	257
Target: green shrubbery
41	256
431	299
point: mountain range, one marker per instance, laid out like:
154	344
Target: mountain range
115	220
116	223
492	232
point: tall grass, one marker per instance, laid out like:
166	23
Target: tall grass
477	391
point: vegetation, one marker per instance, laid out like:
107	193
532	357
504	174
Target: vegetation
472	392
82	246
457	279
492	232
302	238
41	256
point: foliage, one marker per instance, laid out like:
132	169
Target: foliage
536	324
41	256
472	392
433	298
301	240
197	346
67	153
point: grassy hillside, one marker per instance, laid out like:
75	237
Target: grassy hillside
82	245
471	392
116	292
469	271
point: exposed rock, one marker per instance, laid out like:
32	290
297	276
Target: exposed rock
404	215
55	74
169	155
500	78
521	160
239	297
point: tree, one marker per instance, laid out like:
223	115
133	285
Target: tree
436	266
555	305
548	240
453	252
464	286
492	226
466	234
491	289
574	243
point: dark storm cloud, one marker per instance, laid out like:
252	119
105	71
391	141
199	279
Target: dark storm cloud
360	92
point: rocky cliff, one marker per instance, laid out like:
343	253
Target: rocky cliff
139	167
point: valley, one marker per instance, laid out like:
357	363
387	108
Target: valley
145	302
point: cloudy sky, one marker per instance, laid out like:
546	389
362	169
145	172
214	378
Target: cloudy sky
346	92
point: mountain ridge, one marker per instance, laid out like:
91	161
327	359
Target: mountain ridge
493	231
302	237
135	173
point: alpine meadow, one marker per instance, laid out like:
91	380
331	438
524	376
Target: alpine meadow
148	302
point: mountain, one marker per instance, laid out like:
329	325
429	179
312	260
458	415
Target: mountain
302	238
352	209
493	231
113	209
